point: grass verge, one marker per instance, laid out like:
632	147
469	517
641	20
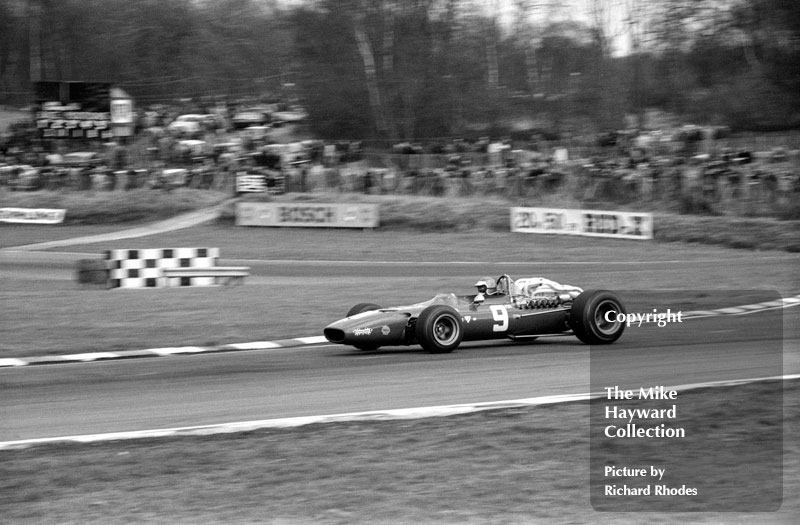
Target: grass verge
89	319
278	303
398	213
527	465
431	214
115	207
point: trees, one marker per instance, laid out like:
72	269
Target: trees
408	69
731	62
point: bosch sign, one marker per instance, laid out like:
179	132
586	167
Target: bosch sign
307	215
320	214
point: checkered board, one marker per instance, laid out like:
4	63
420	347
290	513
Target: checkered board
145	268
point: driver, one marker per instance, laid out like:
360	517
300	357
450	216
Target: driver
486	286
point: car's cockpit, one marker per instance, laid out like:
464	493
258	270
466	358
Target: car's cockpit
526	289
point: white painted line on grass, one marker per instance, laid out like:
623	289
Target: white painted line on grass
256	345
312	340
177	350
10	361
375	415
768	308
745	309
94	356
360	262
317	340
778	302
731	310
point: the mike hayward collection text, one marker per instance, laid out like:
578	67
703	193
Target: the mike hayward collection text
633	430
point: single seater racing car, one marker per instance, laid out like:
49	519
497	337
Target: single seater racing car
519	310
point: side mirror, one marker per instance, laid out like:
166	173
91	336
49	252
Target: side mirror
479	299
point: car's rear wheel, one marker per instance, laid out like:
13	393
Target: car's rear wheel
594	317
439	329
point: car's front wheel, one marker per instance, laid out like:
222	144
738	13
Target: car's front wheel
361	308
594	317
439	329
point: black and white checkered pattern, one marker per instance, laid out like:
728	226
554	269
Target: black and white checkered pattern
144	268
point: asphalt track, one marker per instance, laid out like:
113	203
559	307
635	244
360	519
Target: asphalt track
181	391
128	395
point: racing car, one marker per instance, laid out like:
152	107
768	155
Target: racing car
519	310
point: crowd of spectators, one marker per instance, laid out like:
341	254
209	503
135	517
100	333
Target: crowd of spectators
612	168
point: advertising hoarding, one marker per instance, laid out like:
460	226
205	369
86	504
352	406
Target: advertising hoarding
73	110
307	215
593	223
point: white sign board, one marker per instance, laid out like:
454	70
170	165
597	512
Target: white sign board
308	215
250	183
122	111
32	215
593	223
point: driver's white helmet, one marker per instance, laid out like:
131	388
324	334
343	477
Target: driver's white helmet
489	283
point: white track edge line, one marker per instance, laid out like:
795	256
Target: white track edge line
316	339
785	303
375	415
255	345
177	350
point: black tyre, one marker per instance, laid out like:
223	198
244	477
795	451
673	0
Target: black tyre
439	329
590	314
361	308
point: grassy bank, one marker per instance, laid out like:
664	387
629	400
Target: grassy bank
96	320
114	207
509	466
526	465
431	214
398	213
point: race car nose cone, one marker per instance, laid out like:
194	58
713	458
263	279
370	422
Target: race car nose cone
334	335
